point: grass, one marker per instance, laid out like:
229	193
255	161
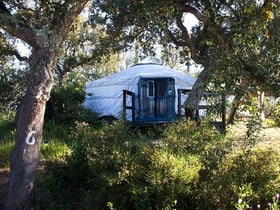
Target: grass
55	142
7	139
54	150
6	149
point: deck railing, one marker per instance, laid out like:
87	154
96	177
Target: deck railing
127	93
218	108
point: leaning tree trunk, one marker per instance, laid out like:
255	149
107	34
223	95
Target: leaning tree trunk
235	105
29	123
237	101
194	98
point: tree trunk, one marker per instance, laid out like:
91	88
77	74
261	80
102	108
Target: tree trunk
235	106
194	98
45	44
237	100
29	126
232	114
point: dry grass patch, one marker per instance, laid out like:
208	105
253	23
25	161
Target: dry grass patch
270	135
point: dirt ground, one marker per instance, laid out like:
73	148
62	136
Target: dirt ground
270	134
271	138
4	177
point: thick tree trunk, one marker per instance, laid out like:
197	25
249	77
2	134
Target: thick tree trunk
237	101
232	115
194	98
235	105
45	44
30	118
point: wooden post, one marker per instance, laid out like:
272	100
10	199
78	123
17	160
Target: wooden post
124	105
179	103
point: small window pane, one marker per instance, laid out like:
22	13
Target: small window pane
151	89
161	88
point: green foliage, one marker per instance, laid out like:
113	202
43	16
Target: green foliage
112	164
168	180
7	126
67	101
7	136
54	150
54	146
188	166
254	124
276	113
56	132
6	149
245	196
78	168
244	193
12	86
257	167
188	137
53	187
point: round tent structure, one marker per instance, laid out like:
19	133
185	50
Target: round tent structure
154	86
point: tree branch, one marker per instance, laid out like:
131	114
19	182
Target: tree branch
186	40
73	9
9	51
19	57
204	19
17	28
186	37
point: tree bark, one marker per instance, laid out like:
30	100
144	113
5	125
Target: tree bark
30	115
194	98
29	122
237	100
234	108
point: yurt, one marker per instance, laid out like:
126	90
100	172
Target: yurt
152	93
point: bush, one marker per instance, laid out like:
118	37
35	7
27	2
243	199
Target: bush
7	138
257	167
67	104
66	101
166	182
276	113
54	150
114	165
190	138
189	166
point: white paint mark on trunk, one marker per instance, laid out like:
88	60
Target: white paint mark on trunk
30	139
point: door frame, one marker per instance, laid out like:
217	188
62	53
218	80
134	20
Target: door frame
156	102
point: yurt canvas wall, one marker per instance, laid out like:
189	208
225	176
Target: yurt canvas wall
105	96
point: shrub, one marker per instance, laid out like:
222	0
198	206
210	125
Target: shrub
129	172
189	137
257	167
189	166
166	182
65	105
276	113
54	150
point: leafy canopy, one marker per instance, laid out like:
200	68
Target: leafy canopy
234	40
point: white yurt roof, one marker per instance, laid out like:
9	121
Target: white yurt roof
105	96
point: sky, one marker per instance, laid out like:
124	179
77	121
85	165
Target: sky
189	21
22	48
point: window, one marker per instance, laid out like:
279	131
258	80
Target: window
151	89
161	88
